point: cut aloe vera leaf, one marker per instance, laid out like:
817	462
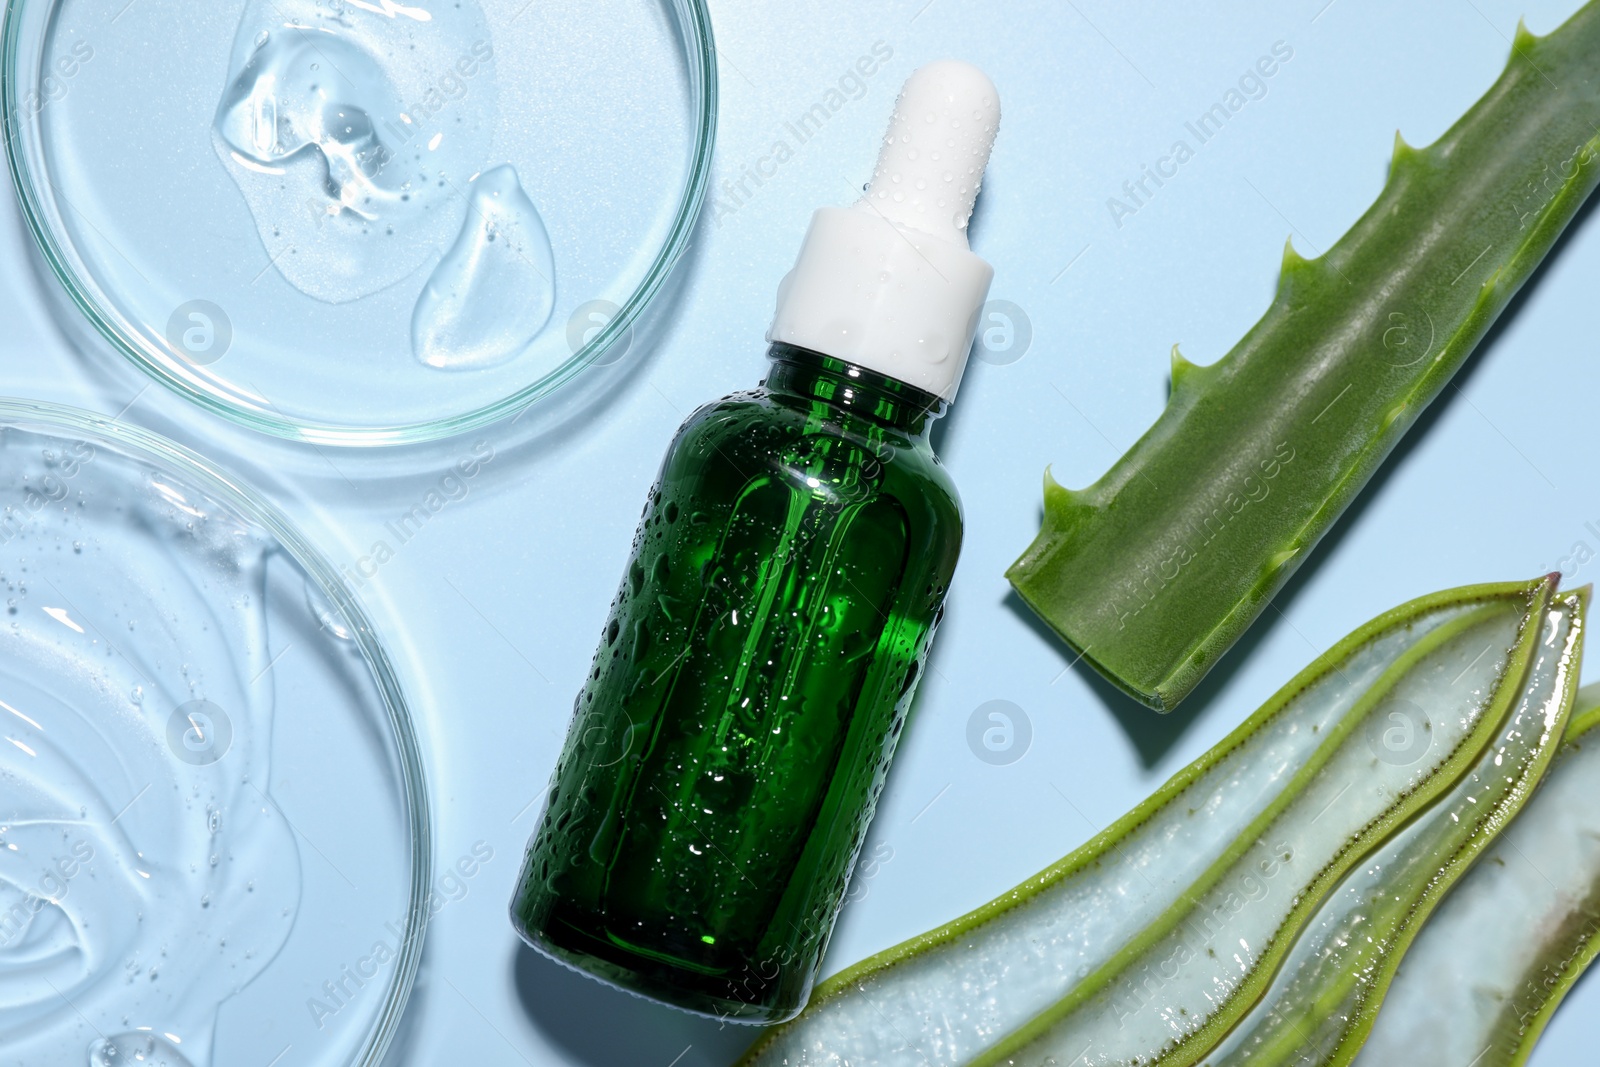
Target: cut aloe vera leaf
1178	987
1154	571
962	993
1493	963
1320	1006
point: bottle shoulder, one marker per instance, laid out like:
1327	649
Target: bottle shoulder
756	428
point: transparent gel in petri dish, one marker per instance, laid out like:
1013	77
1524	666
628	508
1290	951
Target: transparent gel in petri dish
214	838
360	221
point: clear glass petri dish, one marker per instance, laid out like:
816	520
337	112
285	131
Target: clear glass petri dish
214	832
360	222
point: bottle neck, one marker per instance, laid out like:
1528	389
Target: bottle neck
852	390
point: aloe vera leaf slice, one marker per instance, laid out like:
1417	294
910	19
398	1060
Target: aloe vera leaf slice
948	996
1494	962
1321	1005
1181	985
1154	571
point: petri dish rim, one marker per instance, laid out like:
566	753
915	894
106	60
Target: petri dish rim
146	446
37	196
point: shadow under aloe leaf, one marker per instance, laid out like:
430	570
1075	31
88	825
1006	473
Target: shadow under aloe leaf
1153	734
598	1026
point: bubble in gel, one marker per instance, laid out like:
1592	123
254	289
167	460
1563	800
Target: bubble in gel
493	291
136	1049
330	620
352	130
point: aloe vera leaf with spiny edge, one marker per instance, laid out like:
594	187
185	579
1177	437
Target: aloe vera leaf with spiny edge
1154	571
1494	962
1320	1006
969	990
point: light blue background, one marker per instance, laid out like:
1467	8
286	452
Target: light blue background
494	606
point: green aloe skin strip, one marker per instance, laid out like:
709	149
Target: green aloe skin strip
1063	958
1493	963
1321	1004
1154	571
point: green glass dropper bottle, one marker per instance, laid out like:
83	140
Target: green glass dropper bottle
730	742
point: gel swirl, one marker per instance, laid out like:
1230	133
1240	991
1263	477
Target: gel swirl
145	873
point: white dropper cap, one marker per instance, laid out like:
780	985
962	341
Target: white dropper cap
889	283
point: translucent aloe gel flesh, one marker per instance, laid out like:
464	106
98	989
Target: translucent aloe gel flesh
754	674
